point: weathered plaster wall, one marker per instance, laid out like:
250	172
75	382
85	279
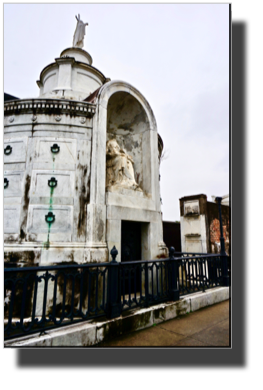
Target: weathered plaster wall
32	127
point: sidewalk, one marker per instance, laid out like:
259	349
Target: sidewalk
208	327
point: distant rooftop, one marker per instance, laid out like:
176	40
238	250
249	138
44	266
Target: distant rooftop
8	97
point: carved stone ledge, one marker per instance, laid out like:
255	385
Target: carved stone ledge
49	106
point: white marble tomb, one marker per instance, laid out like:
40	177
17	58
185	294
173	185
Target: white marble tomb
78	161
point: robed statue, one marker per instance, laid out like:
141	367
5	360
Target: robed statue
119	168
78	39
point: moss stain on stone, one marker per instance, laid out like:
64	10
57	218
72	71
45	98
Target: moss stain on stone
83	200
25	207
46	244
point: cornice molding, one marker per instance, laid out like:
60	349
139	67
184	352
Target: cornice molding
49	106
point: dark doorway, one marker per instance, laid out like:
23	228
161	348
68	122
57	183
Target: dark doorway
130	241
172	235
130	251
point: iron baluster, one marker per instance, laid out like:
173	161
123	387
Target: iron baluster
33	320
152	295
54	299
97	287
214	272
129	284
134	286
214	265
157	281
190	275
141	271
26	326
18	323
89	293
207	282
201	274
183	276
167	278
64	297
11	306
55	311
219	267
84	295
22	313
77	277
81	293
198	277
71	315
212	276
123	285
162	279
103	290
174	291
204	278
45	299
146	285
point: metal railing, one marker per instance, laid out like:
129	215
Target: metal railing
144	284
41	298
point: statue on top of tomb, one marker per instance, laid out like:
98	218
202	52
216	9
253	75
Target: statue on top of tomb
119	168
78	38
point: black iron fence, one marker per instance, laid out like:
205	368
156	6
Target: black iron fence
41	298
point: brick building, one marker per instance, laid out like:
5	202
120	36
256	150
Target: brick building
200	226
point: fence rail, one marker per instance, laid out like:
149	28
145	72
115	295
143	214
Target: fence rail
41	298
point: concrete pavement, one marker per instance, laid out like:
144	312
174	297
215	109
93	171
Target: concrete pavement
208	327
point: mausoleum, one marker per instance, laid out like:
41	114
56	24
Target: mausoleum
81	168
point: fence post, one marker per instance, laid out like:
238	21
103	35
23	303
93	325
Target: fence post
174	290
222	246
113	296
146	286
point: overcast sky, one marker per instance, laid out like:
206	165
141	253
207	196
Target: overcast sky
176	55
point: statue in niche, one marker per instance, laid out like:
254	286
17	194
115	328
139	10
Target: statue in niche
78	39
119	168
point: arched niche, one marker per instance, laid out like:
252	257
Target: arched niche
128	122
125	115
